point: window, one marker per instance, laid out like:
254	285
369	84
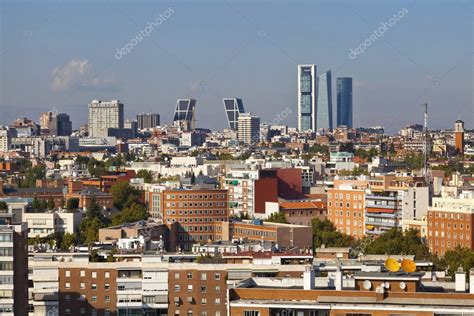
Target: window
190	287
107	312
67	273
82	285
94	286
83	310
67	297
107	274
203	276
203	289
218	301
218	288
107	298
176	288
67	285
203	301
94	275
190	275
107	286
176	275
94	298
83	273
67	311
251	313
217	276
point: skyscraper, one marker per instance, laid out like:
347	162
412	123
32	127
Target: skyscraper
54	123
148	120
248	128
104	115
324	105
307	97
185	114
233	108
344	101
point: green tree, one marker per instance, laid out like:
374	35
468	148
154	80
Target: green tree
396	242
68	241
3	206
36	205
72	204
324	233
32	174
147	175
130	214
124	195
453	259
277	217
50	205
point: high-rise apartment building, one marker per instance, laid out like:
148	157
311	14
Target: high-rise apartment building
344	101
324	105
307	97
6	135
346	204
148	120
459	136
450	223
55	124
185	114
14	269
248	128
104	115
233	108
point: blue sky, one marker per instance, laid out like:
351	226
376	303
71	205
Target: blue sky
61	54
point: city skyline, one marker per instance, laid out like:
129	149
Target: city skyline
391	77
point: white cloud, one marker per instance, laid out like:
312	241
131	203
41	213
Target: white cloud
78	74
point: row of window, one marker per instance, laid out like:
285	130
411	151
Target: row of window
448	225
200	212
82	298
196	197
253	232
196	220
203	313
190	275
337	196
348	205
82	273
82	310
82	285
190	288
448	215
348	213
448	235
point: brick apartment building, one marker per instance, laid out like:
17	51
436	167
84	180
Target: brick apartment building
346	207
450	223
191	214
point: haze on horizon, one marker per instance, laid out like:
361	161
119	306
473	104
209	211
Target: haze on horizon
63	54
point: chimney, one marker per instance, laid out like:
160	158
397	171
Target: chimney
308	278
338	279
460	280
471	281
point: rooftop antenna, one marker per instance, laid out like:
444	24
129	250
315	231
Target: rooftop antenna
425	141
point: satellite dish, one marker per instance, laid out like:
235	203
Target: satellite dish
392	265
367	284
402	285
408	265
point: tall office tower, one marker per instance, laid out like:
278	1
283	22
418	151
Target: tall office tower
233	107
185	113
248	128
324	105
148	120
14	267
344	101
54	123
104	115
307	97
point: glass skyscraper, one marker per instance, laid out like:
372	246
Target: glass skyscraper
185	113
233	108
344	101
307	97
324	105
